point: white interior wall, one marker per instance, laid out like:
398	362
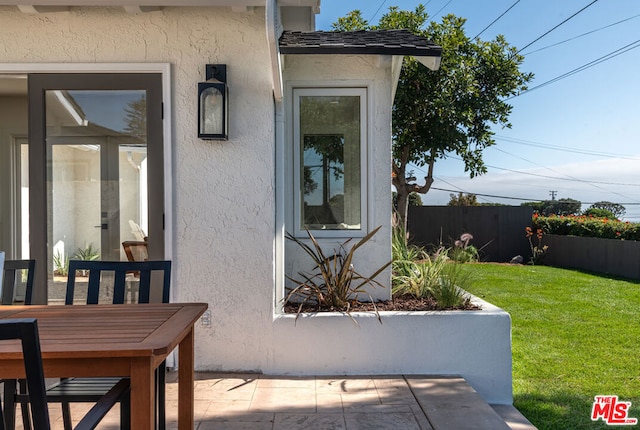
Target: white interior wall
13	123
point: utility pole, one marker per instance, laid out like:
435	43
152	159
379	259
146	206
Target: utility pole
553	194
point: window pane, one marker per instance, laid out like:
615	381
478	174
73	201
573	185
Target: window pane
330	175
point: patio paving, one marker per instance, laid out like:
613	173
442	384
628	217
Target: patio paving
262	402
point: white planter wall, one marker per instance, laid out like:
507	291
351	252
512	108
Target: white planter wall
473	344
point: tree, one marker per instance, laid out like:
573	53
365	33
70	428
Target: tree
556	207
448	111
616	209
599	213
414	200
136	119
463	199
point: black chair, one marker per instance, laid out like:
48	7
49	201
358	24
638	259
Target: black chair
14	275
13	270
90	389
26	330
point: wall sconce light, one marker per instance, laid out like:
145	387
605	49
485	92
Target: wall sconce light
213	104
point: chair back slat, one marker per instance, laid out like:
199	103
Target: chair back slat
13	268
26	330
119	286
119	271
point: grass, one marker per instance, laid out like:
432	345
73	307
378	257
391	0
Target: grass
574	336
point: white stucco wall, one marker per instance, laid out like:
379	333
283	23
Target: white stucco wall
349	71
223	191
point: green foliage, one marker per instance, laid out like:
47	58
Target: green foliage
435	277
352	22
555	207
450	110
414	200
60	264
468	254
87	253
403	254
599	213
463	199
462	251
419	278
401	249
573	336
334	280
616	209
450	290
587	226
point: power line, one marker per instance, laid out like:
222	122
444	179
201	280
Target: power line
553	177
565	149
586	66
567	176
582	181
580	35
378	10
446	4
496	20
521	198
549	31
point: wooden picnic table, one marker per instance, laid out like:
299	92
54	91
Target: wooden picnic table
113	340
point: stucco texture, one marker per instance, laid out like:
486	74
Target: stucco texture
223	195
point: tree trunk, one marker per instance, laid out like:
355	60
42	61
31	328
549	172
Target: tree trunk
404	188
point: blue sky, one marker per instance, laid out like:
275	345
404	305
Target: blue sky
577	136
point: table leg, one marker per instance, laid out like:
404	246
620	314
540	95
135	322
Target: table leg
142	394
185	382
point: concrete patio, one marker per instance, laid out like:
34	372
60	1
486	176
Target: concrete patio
262	402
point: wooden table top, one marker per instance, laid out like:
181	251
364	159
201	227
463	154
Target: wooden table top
86	331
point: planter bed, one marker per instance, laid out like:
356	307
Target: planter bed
473	344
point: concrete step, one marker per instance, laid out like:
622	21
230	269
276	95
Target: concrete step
514	419
450	403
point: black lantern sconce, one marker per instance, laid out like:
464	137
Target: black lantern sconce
213	104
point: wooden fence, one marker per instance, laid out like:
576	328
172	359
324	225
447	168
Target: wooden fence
608	256
499	231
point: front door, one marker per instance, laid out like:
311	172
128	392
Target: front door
95	170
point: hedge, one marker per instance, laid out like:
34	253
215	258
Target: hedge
587	226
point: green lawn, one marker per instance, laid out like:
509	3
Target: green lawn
575	335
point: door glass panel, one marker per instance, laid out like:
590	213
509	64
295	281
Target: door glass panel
96	177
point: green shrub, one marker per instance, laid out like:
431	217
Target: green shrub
419	278
599	213
401	250
87	253
60	264
587	226
450	292
462	251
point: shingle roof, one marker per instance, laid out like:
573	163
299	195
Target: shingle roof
380	42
